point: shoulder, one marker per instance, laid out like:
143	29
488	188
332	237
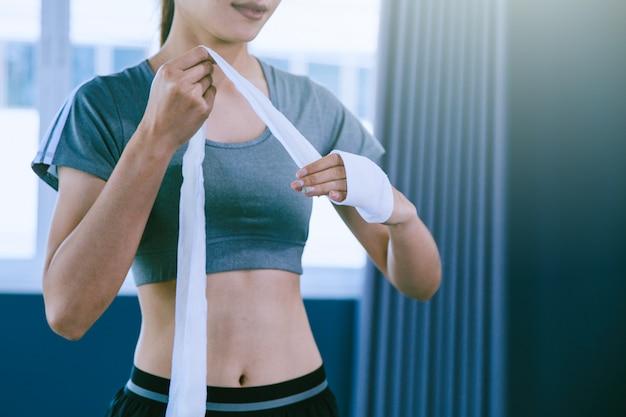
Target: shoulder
319	115
123	87
113	103
91	129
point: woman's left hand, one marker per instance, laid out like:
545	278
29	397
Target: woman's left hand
403	248
326	176
351	180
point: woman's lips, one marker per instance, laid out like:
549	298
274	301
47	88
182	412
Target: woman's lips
250	10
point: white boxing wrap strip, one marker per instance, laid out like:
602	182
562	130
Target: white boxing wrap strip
369	189
187	395
188	381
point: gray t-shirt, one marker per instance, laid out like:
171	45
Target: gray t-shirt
254	220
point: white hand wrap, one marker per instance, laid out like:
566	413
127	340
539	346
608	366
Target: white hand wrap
369	189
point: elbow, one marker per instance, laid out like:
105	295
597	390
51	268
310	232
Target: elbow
64	324
430	282
64	314
429	291
426	291
424	287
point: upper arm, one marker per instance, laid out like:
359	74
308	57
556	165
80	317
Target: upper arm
78	191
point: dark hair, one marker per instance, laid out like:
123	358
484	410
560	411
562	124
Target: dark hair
167	15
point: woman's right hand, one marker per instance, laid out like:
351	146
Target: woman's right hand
181	98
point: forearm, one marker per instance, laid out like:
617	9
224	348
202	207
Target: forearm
88	267
402	249
413	264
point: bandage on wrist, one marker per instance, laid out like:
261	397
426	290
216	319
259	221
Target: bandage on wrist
369	189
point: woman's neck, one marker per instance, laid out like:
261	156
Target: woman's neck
236	54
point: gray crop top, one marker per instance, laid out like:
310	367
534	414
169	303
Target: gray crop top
254	220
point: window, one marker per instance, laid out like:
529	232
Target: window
83	63
20	74
126	57
102	40
327	75
19	130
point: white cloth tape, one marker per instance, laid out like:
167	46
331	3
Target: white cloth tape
187	395
188	379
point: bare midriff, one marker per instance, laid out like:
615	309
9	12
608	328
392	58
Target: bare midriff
258	330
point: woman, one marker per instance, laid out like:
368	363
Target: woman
115	154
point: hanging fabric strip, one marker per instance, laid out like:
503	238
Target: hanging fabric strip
187	394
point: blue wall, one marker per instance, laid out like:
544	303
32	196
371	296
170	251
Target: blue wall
46	375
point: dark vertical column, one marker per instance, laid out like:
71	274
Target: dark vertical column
567	208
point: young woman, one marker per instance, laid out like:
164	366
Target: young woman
114	153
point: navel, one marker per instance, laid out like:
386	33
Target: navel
242	380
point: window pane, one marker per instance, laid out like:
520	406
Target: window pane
83	63
19	127
327	75
105	40
20	70
114	23
19	20
367	89
126	57
282	64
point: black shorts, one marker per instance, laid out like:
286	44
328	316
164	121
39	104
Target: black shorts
145	395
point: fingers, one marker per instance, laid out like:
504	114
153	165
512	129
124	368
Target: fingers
209	94
322	164
194	56
205	83
326	176
192	71
200	71
181	96
192	67
198	67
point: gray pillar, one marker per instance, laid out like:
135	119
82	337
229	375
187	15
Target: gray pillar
54	75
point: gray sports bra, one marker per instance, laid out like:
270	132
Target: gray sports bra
254	220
